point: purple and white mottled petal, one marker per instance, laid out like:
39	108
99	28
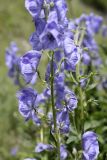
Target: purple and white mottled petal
34	7
71	99
28	64
90	146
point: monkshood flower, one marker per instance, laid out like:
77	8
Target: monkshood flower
13	47
35	42
44	96
63	121
47	147
58	55
83	82
86	59
93	22
48	32
43	147
28	65
104	31
61	8
90	146
40	24
72	54
90	43
34	7
51	36
47	35
28	104
63	152
70	99
14	151
59	89
12	59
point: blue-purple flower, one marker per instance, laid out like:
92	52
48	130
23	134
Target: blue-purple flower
59	89
12	59
61	8
72	54
63	152
63	121
90	146
104	31
28	104
12	62
40	24
44	96
70	99
28	65
51	37
14	151
43	147
86	58
34	7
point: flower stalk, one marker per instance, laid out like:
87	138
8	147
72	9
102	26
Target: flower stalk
53	108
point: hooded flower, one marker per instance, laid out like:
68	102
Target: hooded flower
59	89
14	151
11	58
63	152
104	31
72	54
35	37
86	58
28	104
51	37
42	147
61	8
63	121
70	99
45	95
90	146
28	65
34	7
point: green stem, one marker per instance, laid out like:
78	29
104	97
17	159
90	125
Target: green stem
74	123
82	110
53	108
41	135
80	97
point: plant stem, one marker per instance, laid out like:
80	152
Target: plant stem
53	108
80	97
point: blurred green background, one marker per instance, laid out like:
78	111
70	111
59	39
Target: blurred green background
16	25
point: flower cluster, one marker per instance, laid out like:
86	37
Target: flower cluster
70	45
